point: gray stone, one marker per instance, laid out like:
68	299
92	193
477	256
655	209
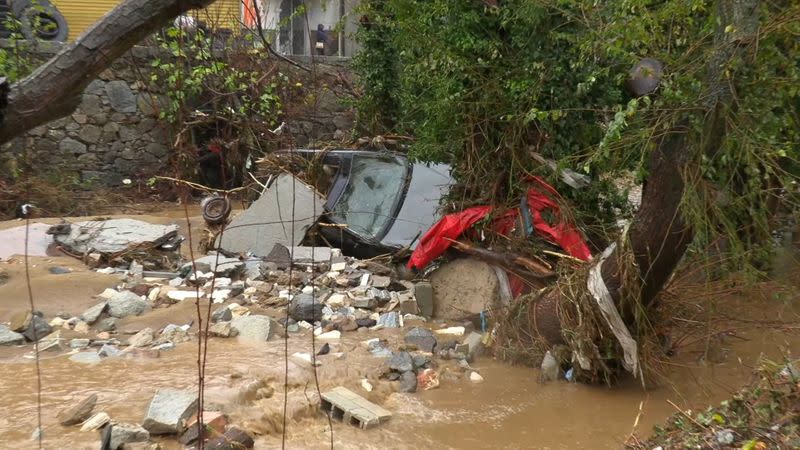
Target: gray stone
253	328
422	338
38	131
310	255
72	126
100	118
168	411
146	125
408	382
381	281
157	150
127	134
90	134
223	330
77	412
401	362
88	160
91	105
305	307
37	329
141	339
108	351
79	343
223	314
126	433
149	104
126	303
71	146
421	361
96	87
107	324
91	315
8	337
85	358
120	96
474	343
423	293
389	320
257	229
81	119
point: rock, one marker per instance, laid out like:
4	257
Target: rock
408	382
422	338
336	300
142	339
305	307
141	446
121	96
79	343
233	439
107	324
408	304
389	320
550	368
253	328
305	359
108	351
71	146
421	361
222	315
37	329
452	331
168	411
223	330
85	358
423	293
90	133
330	335
346	323
20	320
95	422
174	334
78	412
475	377
114	235
381	282
124	433
58	270
8	337
401	362
223	266
366	323
91	315
126	303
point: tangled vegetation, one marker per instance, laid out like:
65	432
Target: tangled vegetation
485	85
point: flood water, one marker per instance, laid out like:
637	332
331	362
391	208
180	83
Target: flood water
510	409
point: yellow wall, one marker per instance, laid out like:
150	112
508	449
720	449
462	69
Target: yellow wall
80	14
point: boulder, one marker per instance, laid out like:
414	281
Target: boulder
37	329
8	337
107	324
142	339
91	315
222	314
169	410
305	307
253	328
126	303
401	362
422	338
124	433
77	412
408	382
223	330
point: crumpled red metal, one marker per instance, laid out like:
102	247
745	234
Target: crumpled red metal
539	197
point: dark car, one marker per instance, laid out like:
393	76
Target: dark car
384	201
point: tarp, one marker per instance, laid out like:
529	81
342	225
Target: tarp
539	198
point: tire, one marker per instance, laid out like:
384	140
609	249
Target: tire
52	26
216	210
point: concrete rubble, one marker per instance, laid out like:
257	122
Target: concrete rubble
169	410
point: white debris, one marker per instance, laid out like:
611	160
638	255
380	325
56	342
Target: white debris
306	358
453	331
330	335
366	385
475	377
182	295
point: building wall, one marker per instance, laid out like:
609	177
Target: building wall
81	14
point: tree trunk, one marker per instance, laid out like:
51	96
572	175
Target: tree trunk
54	89
659	235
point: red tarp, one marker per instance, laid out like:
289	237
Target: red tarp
437	239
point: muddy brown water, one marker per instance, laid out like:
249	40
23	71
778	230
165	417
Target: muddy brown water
510	409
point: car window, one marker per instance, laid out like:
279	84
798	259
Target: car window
373	189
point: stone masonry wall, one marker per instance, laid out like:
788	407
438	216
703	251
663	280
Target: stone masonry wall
115	133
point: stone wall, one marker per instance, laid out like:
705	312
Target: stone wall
115	133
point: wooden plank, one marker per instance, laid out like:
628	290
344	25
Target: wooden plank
351	408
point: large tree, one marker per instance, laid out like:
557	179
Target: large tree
54	89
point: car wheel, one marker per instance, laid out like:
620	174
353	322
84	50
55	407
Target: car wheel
215	210
44	23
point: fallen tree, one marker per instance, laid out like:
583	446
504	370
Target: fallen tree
54	89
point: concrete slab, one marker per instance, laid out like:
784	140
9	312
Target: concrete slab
12	241
114	235
268	221
351	408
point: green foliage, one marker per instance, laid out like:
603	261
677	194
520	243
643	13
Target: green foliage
483	87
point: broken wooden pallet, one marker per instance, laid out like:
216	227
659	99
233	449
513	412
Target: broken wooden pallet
349	407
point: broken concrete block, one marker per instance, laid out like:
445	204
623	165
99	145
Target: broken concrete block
169	410
267	221
91	315
423	293
125	433
114	235
253	328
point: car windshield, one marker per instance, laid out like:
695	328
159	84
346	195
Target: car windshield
373	189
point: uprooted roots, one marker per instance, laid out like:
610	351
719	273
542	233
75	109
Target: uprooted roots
588	345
